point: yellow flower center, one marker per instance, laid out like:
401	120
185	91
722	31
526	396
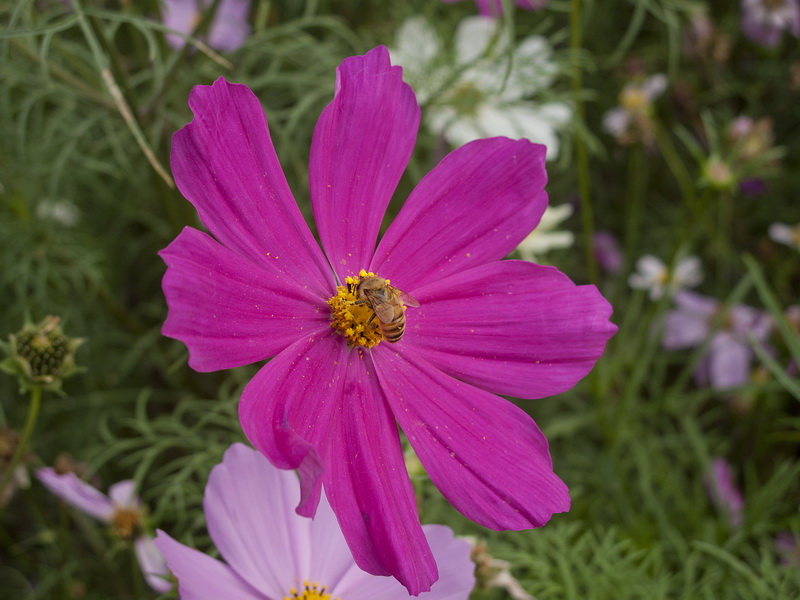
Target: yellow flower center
310	591
633	99
354	319
126	521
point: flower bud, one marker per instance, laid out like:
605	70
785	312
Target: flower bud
41	355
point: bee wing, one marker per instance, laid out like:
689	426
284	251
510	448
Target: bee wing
383	310
407	299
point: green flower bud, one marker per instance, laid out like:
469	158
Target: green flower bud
41	355
718	174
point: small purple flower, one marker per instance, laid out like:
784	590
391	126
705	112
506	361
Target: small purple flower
120	509
227	32
764	21
330	401
729	355
607	252
753	186
788	546
271	552
724	492
494	8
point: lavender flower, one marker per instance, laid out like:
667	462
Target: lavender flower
607	252
727	361
227	32
764	21
120	509
724	492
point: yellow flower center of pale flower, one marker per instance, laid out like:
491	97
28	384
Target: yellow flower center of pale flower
633	99
125	521
354	319
310	591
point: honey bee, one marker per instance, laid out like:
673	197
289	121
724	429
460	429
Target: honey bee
388	303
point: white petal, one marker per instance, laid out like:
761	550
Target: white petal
654	86
417	44
782	233
473	37
616	121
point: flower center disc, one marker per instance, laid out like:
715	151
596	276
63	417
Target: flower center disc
125	521
351	317
310	591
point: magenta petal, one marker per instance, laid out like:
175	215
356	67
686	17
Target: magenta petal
286	409
229	311
368	487
361	147
475	206
249	506
201	577
455	582
224	164
77	493
511	327
486	456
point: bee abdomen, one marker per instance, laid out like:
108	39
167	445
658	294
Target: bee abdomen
394	331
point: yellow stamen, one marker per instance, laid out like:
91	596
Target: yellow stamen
351	319
310	591
126	521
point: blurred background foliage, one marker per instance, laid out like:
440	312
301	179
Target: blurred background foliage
90	94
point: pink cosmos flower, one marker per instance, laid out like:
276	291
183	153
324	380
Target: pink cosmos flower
330	401
227	32
727	361
271	552
120	509
494	8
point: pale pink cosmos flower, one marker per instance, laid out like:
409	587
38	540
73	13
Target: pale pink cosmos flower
494	8
271	552
729	355
227	32
121	509
764	21
724	492
330	407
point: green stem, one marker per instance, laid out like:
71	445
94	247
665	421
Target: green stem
637	186
587	218
136	572
33	415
